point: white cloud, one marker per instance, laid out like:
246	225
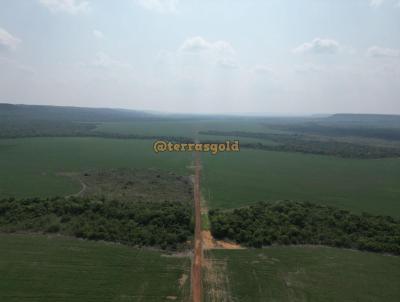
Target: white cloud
308	68
68	6
7	40
375	3
227	63
379	3
161	6
262	70
319	46
381	52
195	44
98	34
199	44
10	64
221	53
103	60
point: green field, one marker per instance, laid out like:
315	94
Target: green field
238	179
188	129
309	274
30	167
39	268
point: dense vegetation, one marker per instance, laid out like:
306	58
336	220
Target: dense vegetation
166	224
303	144
287	222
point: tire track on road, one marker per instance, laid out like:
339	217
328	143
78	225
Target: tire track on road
198	242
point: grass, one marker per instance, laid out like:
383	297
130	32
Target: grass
205	222
136	185
312	274
38	268
31	166
237	179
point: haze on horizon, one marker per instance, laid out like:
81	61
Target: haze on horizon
210	56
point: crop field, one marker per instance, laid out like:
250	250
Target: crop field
238	179
35	166
188	129
312	274
57	269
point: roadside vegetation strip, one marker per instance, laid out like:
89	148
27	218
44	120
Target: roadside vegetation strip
215	279
288	222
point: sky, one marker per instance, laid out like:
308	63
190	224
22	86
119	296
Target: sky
203	56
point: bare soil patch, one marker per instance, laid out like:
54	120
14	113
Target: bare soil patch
209	242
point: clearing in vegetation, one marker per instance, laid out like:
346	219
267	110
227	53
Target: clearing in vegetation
152	185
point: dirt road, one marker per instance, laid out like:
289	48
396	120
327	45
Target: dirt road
198	248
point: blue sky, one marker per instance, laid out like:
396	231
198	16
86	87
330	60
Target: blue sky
277	56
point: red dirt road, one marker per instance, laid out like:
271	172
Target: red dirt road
198	248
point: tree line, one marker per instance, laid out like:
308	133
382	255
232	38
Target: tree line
166	225
303	144
290	222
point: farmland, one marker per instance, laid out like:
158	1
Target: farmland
238	179
312	274
104	160
32	166
37	268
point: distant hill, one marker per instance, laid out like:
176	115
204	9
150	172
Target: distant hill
39	121
71	114
373	120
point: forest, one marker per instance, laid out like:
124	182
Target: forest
166	225
292	223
